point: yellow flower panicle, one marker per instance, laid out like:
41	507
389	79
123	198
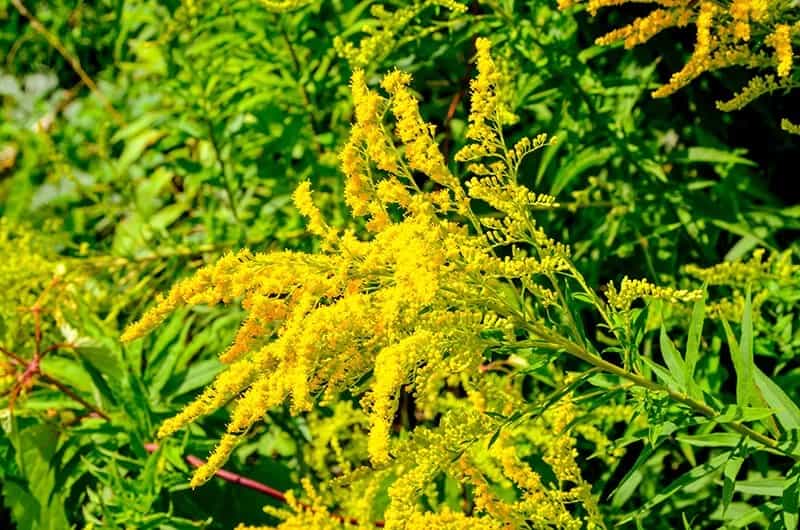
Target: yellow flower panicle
391	28
728	34
303	201
418	137
393	366
404	304
220	282
488	111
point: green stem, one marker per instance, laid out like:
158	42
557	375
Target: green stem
224	168
581	353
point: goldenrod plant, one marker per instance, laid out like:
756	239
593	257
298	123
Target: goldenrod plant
428	301
404	264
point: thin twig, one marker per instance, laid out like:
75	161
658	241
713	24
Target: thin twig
230	192
68	391
303	93
72	60
15	358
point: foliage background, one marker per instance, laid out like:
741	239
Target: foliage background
205	116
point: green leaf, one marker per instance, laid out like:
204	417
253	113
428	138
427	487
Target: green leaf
770	487
584	160
35	452
732	467
739	414
197	375
714	439
693	342
785	409
710	154
790	501
673	360
627	486
662	374
743	369
746	344
687	479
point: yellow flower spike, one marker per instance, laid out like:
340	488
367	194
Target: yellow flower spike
632	290
221	453
210	285
728	34
392	367
225	386
305	204
422	152
740	12
781	41
704	21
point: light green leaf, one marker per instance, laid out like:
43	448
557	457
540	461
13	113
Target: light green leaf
662	374
693	342
729	473
739	414
770	487
744	370
687	479
717	156
714	439
672	358
785	409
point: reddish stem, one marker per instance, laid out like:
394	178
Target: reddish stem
37	318
234	478
14	357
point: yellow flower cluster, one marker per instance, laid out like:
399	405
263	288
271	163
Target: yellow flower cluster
549	437
781	41
790	127
776	270
31	273
404	305
281	6
338	439
418	137
631	290
777	267
390	29
728	34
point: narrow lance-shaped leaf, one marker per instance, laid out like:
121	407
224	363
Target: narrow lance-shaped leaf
673	360
744	372
790	500
746	351
785	409
693	344
687	479
731	469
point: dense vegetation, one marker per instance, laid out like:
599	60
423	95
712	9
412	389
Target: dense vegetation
413	264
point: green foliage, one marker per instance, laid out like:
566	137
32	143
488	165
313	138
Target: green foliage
198	121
